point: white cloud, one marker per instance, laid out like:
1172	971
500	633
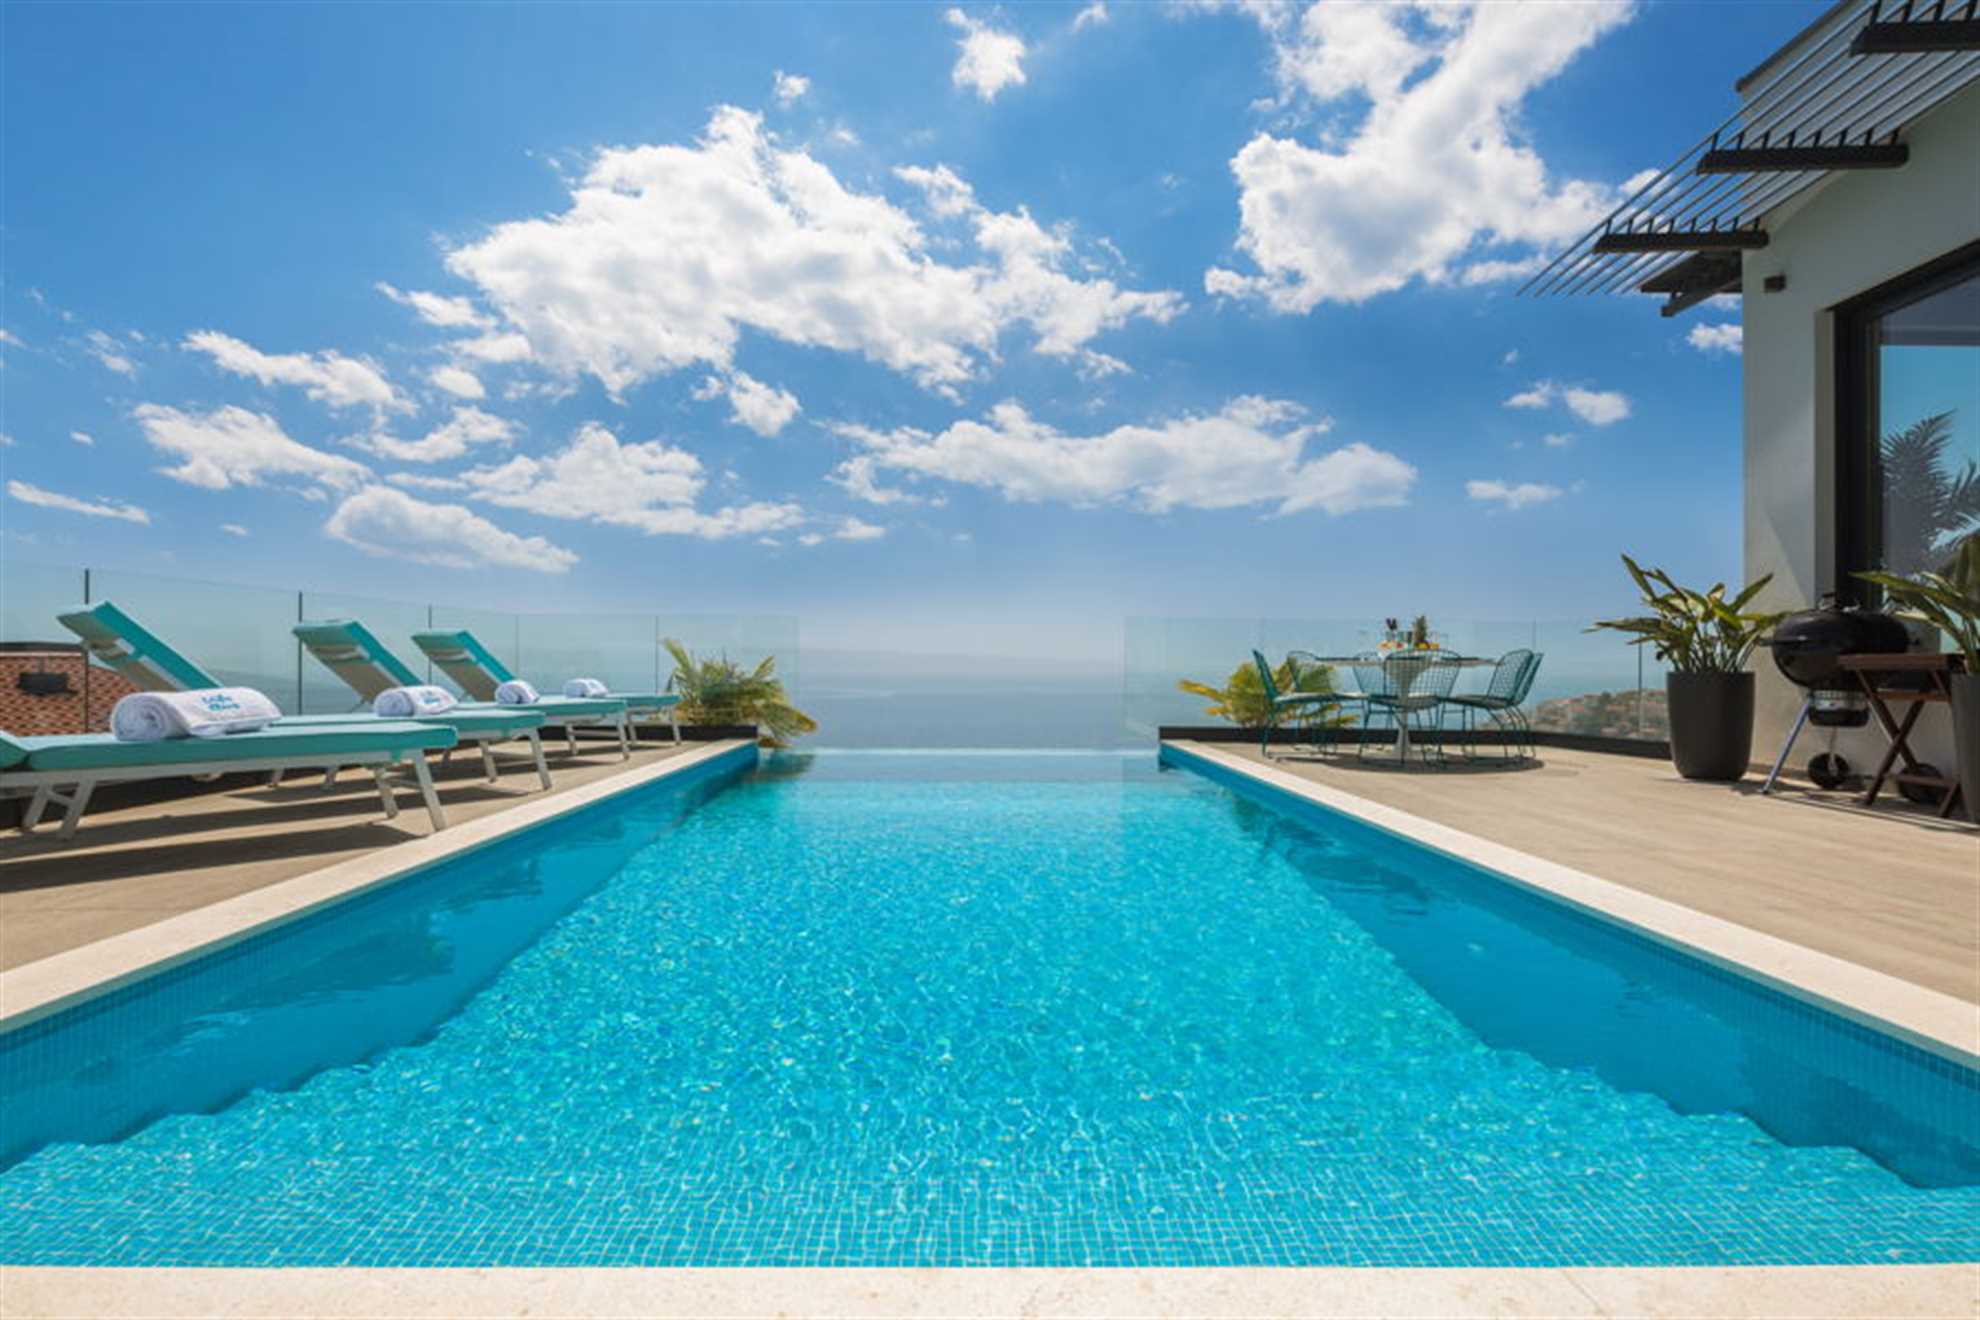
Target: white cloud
1557	440
108	351
82	437
233	529
49	499
234	447
458	381
1511	497
329	378
494	348
1512	356
764	409
650	487
857	529
1251	452
667	254
989	60
1596	407
1432	183
6	440
788	87
1717	338
390	523
10	339
856	477
1091	16
847	529
467	428
436	308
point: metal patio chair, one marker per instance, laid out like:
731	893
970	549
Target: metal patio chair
1283	705
1511	681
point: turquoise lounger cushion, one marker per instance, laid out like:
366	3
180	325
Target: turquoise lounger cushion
465	659
121	643
468	721
349	650
648	700
100	751
554	709
12	750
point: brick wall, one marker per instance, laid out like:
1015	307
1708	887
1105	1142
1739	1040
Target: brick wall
25	712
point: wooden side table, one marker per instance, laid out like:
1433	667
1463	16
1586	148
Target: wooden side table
1876	673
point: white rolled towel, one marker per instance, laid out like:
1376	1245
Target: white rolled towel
515	692
402	703
585	687
200	713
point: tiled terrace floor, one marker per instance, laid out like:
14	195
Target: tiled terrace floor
1889	888
134	865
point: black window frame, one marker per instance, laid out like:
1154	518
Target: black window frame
1858	516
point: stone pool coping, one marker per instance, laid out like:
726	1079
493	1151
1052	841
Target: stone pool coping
35	990
1939	1023
1892	1291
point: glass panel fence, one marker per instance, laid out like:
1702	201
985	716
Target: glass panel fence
239	635
31	595
392	622
616	649
1594	683
242	635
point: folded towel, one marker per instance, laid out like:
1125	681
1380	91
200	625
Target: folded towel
515	692
585	687
201	713
402	703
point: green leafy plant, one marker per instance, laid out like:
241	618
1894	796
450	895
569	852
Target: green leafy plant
1949	601
1927	501
716	690
1419	632
1695	632
1243	702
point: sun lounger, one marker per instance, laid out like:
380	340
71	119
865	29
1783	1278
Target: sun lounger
125	646
64	769
478	672
349	650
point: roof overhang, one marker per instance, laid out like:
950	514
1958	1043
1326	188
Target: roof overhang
1837	97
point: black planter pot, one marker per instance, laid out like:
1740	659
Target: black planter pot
1966	739
1711	724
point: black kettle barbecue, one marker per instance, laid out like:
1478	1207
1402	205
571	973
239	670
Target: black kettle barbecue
1806	647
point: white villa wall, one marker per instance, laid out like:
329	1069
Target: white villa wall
1854	232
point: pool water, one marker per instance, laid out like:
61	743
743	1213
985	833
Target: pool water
944	1009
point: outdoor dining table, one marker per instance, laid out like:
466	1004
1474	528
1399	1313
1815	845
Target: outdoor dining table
1402	669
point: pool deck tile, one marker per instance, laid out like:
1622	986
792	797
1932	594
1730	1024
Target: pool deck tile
133	865
1892	1292
1886	887
33	990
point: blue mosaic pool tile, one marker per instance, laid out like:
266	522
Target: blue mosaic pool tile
971	1011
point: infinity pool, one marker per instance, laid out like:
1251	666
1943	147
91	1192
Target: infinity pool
969	1010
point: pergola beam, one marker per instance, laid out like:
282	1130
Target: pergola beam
1705	270
1789	159
1920	37
1681	240
1690	298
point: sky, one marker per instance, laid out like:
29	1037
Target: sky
966	329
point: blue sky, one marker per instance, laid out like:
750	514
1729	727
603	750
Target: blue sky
943	329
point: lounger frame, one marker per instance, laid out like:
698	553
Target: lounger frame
71	788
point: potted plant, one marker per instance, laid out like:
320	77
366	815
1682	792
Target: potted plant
716	690
1950	602
1706	640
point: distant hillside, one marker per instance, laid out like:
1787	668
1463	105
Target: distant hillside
1633	713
